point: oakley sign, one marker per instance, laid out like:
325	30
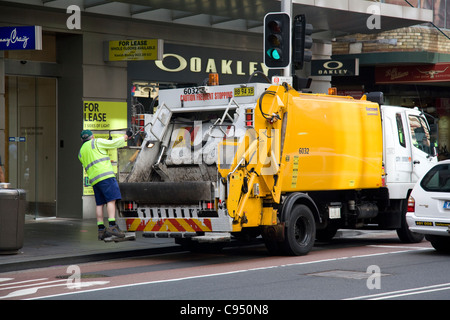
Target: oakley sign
197	64
348	67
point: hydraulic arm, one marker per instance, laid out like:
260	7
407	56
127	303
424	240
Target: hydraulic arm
255	172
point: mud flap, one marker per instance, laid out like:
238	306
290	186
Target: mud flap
129	236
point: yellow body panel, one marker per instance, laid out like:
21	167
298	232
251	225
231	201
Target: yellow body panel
302	142
331	143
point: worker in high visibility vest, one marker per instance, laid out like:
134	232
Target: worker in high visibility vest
94	157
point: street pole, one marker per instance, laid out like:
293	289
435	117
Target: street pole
286	6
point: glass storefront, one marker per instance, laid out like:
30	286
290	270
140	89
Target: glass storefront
30	152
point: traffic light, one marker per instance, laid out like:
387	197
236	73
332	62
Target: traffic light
277	40
301	41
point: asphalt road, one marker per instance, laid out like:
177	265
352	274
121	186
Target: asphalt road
356	266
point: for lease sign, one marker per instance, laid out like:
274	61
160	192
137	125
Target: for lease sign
104	115
132	50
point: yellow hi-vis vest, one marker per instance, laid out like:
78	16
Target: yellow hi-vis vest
96	163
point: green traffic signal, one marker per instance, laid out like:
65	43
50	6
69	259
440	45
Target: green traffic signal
274	53
277	40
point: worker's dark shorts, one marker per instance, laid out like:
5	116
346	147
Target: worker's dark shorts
106	191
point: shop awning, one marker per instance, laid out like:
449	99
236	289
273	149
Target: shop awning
330	18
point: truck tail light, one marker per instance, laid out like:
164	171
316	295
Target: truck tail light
249	118
207	205
411	204
128	205
141	121
383	177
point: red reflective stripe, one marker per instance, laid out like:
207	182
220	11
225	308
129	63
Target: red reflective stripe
177	225
196	225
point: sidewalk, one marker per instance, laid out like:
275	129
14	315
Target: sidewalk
56	241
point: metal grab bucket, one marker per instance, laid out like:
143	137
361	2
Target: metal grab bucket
12	218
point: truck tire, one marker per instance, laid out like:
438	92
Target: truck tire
404	234
300	232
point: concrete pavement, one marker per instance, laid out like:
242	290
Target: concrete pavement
55	241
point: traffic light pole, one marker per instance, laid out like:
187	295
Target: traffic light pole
286	6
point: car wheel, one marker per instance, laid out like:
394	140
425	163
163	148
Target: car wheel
440	243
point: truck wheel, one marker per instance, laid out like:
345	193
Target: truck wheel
300	232
404	234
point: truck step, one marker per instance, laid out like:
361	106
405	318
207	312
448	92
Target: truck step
129	236
213	237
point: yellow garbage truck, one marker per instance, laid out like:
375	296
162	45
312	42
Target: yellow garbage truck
248	160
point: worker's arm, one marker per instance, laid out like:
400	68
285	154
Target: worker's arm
112	144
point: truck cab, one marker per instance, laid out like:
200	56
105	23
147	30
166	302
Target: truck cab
409	148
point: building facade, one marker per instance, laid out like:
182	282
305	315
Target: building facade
410	65
47	96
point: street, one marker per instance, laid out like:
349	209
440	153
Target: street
356	266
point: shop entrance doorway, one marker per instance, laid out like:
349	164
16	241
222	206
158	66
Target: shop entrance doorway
31	141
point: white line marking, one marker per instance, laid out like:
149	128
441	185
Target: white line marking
28	291
406	292
228	273
397	247
30	285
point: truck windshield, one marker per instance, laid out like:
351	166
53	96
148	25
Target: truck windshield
421	135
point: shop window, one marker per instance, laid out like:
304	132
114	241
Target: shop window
144	96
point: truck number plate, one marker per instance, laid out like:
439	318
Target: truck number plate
244	92
446	204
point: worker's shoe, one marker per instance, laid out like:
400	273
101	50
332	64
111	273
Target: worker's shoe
102	234
114	231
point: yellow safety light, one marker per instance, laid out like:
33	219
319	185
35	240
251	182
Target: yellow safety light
213	79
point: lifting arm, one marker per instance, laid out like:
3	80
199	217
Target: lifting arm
257	160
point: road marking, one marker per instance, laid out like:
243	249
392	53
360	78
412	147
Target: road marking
24	285
402	293
19	282
397	247
16	285
28	291
231	272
